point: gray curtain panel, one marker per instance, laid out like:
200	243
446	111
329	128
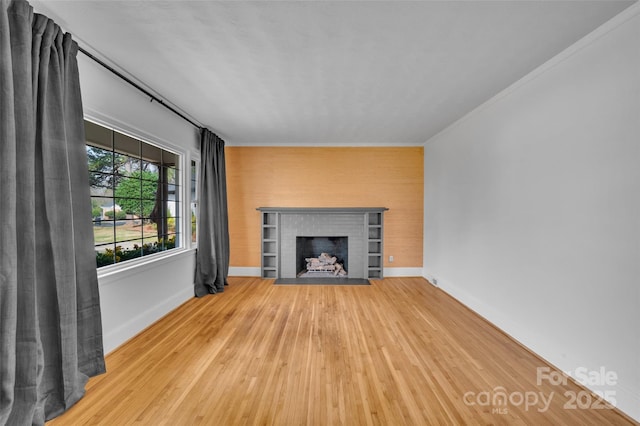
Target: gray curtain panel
50	324
212	258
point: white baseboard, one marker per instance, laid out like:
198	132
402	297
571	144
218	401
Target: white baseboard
250	271
244	271
403	272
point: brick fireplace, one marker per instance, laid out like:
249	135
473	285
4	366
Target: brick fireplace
361	228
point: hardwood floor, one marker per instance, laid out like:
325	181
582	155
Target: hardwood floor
397	352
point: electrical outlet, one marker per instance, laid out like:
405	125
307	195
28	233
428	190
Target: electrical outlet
390	259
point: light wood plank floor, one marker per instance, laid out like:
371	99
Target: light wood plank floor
397	352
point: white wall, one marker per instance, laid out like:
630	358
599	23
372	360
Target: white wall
134	298
532	208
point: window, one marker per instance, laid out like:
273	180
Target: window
135	196
194	202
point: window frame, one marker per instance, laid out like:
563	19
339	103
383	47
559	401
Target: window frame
184	195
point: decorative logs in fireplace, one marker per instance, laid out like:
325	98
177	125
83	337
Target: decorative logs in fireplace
325	263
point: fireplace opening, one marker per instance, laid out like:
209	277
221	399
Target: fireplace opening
324	249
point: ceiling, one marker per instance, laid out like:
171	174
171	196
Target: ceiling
327	72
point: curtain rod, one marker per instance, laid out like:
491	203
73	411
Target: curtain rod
140	88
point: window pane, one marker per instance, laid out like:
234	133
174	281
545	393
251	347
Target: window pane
150	167
193	186
99	204
169	159
126	145
128	232
100	163
194	237
105	256
101	184
126	165
171	176
103	232
151	154
99	159
98	136
149	187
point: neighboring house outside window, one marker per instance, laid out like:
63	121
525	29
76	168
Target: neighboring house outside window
135	196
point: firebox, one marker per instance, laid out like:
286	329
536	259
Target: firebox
313	247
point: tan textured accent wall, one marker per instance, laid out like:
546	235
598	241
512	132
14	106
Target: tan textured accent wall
327	177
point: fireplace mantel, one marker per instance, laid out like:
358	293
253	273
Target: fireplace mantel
281	225
308	210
